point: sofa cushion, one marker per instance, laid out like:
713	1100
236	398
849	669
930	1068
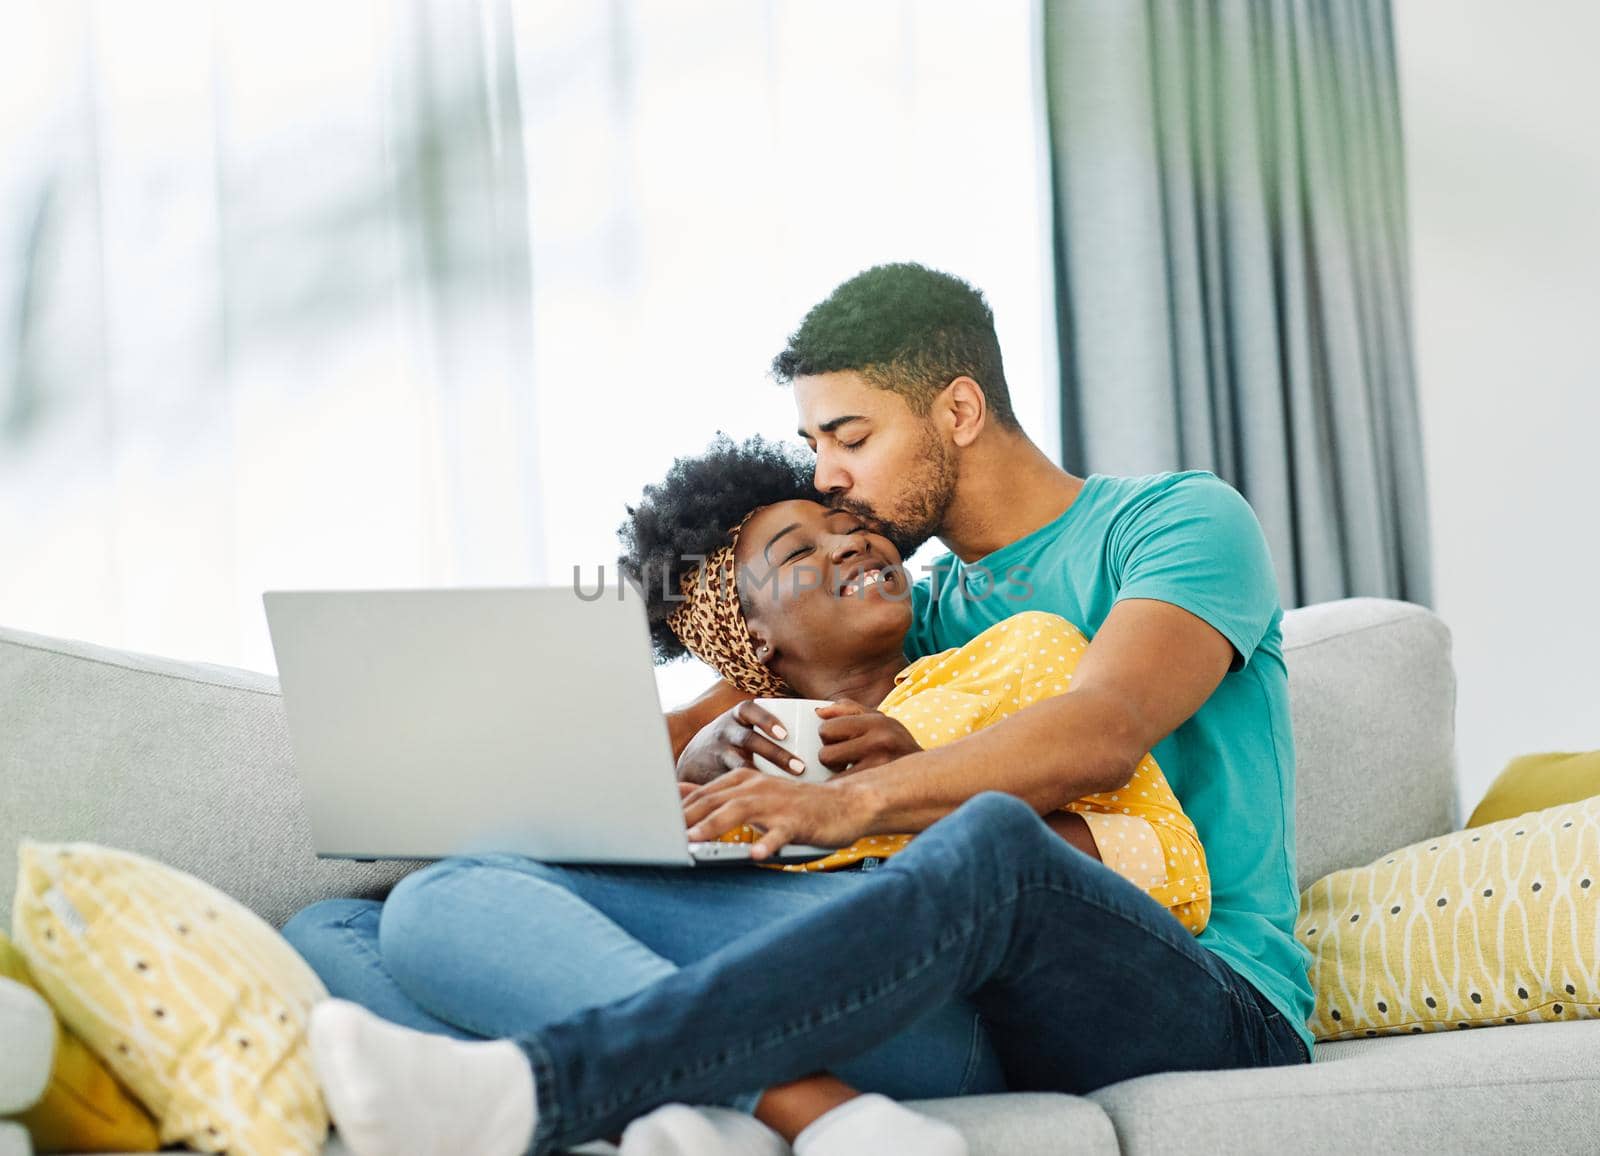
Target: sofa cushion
1534	782
196	1004
1372	697
1483	927
1027	1122
1530	1089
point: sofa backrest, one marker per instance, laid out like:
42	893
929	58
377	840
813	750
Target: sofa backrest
1373	697
186	763
190	764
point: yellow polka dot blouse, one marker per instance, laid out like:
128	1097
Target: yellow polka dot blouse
1140	830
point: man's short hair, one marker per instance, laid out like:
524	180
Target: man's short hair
906	328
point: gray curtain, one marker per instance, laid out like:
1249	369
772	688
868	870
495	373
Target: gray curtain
1232	272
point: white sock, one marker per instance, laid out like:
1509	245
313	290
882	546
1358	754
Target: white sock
396	1092
679	1130
872	1125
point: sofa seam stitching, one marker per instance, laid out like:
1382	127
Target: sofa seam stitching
1351	633
142	670
1379	1090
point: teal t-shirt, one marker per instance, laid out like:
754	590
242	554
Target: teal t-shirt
1191	540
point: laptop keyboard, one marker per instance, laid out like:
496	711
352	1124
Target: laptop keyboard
716	852
720	850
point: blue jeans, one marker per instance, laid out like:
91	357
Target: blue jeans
1082	979
500	946
1079	977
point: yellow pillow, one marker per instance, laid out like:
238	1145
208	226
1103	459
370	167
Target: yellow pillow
196	1004
1480	927
84	1109
1534	782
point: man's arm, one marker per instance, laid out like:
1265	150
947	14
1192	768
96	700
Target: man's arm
685	722
1149	668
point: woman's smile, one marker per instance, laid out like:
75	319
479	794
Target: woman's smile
870	575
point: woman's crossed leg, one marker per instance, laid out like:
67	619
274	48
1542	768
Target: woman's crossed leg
501	946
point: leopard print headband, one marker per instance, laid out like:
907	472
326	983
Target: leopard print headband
711	625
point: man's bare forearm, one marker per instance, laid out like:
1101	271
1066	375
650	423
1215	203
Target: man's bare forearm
1047	755
685	722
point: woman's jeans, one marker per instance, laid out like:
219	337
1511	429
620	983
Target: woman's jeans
1080	978
499	946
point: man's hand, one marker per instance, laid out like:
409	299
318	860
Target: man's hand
855	738
729	741
823	814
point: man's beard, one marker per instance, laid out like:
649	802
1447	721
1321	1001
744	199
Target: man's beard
926	503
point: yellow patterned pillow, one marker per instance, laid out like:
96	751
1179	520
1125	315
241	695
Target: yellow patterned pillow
84	1109
1490	925
192	1000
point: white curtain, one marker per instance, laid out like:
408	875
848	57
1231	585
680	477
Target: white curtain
384	294
267	265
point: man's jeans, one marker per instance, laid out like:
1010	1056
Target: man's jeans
1080	979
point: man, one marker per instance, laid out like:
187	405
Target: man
1080	978
901	393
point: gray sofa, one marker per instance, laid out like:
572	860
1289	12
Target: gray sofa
190	764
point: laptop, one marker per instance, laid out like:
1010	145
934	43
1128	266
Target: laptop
432	723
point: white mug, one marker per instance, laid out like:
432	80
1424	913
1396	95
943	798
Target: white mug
799	718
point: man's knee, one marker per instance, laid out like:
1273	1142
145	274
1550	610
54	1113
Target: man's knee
994	815
981	837
997	833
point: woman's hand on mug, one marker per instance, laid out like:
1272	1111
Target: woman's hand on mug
731	740
855	738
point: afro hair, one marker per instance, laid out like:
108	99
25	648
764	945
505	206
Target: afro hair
905	328
691	512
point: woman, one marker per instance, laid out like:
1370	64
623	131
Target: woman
791	598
